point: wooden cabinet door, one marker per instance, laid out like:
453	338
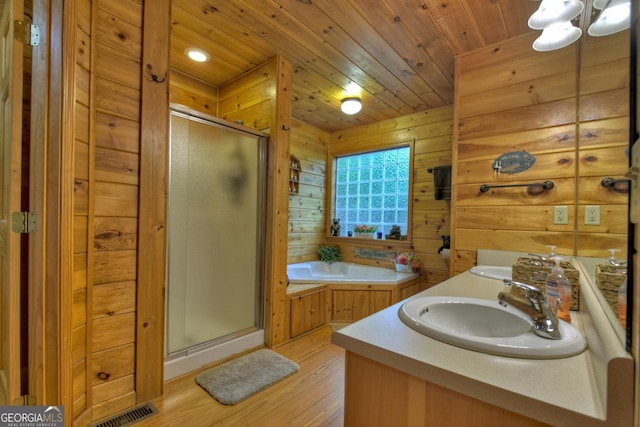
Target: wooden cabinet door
342	306
379	300
308	312
352	305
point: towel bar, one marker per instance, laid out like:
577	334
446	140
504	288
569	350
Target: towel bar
542	186
617	185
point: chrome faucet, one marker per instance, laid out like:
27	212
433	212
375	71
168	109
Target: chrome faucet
540	259
535	305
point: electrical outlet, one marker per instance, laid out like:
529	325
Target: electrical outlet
592	215
560	215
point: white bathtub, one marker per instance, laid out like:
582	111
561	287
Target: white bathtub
342	272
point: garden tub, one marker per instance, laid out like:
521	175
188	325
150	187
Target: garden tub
342	272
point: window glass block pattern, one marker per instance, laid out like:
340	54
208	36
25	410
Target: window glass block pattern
373	189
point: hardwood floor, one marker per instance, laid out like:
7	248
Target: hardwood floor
314	396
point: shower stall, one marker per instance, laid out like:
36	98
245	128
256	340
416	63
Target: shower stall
216	206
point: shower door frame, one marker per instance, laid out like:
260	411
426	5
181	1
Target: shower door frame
263	141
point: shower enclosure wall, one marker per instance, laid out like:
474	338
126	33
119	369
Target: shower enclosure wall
215	237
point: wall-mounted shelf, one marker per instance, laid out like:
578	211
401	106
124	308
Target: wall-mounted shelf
294	175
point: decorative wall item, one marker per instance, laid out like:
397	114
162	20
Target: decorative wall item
294	175
374	254
512	163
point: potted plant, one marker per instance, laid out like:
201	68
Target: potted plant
407	262
329	254
365	230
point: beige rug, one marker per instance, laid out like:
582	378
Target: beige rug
234	381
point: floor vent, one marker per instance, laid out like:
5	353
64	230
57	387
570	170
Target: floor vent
128	417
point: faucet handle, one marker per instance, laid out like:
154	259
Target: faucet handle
534	295
531	292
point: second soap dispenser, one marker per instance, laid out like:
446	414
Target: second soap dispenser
558	290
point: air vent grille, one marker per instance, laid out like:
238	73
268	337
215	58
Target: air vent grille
128	417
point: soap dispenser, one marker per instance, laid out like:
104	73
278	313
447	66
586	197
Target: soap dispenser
552	251
622	303
558	290
552	254
612	257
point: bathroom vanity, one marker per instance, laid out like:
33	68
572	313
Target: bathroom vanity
398	376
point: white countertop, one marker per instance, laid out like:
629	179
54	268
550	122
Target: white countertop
556	391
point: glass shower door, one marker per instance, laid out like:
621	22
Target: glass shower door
215	233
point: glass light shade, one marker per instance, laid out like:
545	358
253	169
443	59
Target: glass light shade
557	36
554	11
600	4
614	18
351	105
197	55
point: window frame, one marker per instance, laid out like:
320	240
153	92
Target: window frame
331	202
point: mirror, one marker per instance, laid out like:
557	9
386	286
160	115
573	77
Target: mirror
607	279
604	136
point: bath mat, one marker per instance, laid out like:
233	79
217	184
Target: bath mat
234	381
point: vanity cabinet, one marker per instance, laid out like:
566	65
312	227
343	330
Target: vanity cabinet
376	394
307	312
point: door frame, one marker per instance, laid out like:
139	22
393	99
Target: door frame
45	260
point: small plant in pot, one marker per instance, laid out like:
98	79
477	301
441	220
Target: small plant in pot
329	254
407	262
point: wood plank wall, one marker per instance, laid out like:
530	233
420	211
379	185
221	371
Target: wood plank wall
107	88
116	181
430	135
511	98
603	138
307	212
193	93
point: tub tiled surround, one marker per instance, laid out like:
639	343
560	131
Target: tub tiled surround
594	388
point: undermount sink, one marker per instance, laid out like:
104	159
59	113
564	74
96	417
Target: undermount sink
486	326
492	271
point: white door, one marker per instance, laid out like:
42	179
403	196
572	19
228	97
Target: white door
11	143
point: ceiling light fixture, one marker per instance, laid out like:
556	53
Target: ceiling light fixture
554	17
351	105
197	55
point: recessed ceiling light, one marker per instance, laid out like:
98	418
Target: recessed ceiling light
197	55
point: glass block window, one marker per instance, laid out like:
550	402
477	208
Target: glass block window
373	189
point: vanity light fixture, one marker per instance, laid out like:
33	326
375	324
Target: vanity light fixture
557	36
197	55
554	18
615	17
351	105
554	11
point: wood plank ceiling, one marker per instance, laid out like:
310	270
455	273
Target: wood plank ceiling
399	53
